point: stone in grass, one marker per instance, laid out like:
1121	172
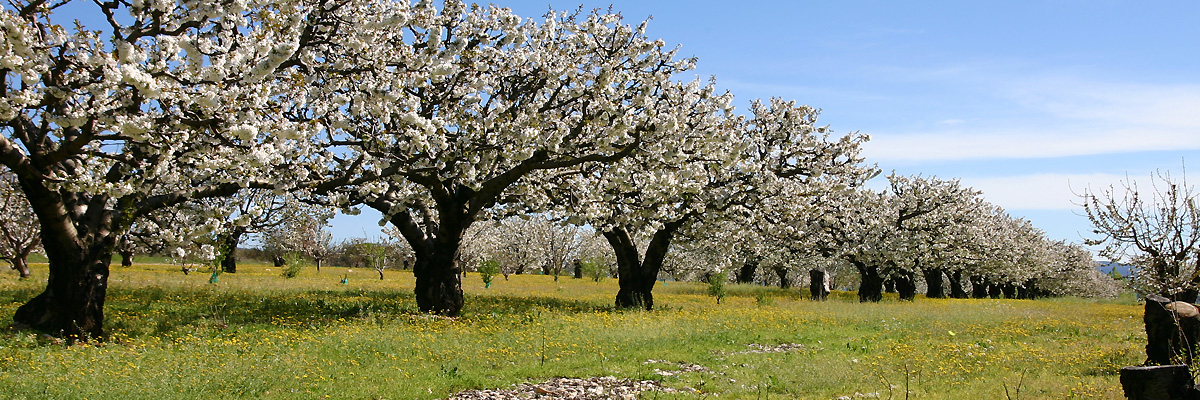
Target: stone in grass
595	388
756	348
1160	382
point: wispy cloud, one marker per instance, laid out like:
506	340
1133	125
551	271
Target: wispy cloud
1045	191
1023	143
1119	104
1058	118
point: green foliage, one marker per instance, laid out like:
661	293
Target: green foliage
1116	275
716	285
222	252
360	253
293	263
594	268
764	299
487	270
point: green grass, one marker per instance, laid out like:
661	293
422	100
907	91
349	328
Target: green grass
257	335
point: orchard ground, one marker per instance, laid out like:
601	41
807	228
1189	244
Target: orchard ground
255	334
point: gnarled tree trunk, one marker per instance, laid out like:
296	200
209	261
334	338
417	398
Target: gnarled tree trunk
782	272
870	286
21	264
745	274
438	286
995	290
906	285
956	286
636	277
126	258
79	247
979	287
1029	290
818	284
72	305
1009	289
229	263
933	283
439	282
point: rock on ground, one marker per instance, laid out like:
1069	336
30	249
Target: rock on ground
597	388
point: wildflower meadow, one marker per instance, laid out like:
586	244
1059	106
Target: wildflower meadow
255	334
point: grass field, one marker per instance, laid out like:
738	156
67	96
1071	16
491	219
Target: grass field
255	334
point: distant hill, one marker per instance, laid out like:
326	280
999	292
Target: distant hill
1107	266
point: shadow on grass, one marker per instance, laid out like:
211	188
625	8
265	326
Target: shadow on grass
528	304
136	312
736	290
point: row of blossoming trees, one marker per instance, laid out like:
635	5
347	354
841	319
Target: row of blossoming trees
438	116
920	233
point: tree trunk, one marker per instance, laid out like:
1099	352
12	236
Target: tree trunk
906	285
870	287
578	265
1028	290
956	287
635	276
229	263
21	264
73	303
635	285
439	281
818	284
635	291
782	272
278	261
933	283
126	258
995	290
745	274
979	287
889	285
438	287
1009	290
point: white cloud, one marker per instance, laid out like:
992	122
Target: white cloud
968	145
1118	104
1042	191
1060	117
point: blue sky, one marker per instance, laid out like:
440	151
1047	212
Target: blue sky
1029	101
